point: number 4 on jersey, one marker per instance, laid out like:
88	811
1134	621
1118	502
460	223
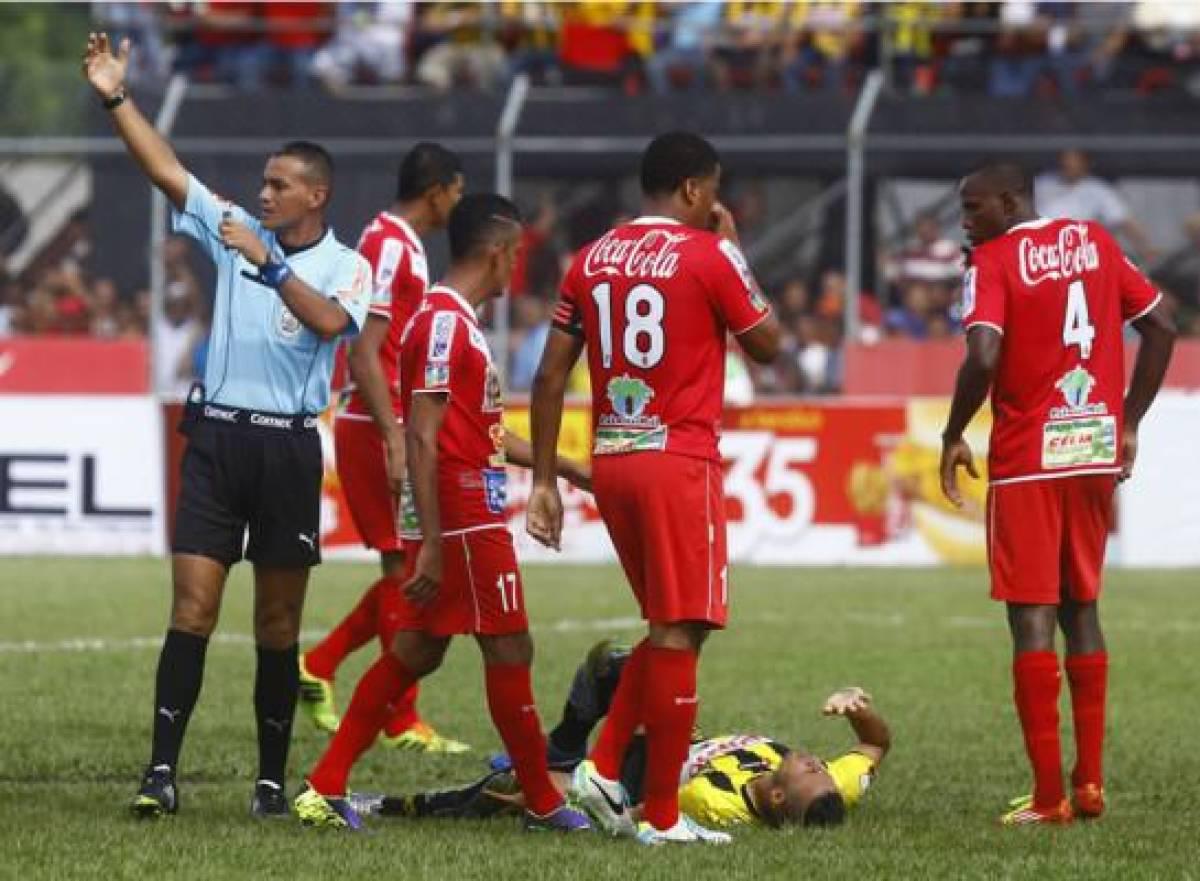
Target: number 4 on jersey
1077	327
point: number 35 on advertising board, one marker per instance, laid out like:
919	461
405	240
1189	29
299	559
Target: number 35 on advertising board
777	500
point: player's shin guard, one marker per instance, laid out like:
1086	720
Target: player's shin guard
1036	681
670	706
276	686
624	715
352	632
510	701
369	709
176	690
1087	676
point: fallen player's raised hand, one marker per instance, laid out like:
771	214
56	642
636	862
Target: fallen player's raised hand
846	701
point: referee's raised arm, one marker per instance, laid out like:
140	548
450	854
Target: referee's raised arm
106	72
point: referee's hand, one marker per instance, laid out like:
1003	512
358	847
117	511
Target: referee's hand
426	579
242	239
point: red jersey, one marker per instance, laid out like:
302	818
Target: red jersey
401	275
655	301
443	351
1060	292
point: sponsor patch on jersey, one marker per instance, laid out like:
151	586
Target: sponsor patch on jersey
610	440
1076	387
441	336
410	526
385	272
495	489
493	395
738	261
629	397
437	375
968	292
1072	443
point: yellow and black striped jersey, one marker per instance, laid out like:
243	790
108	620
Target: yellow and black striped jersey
713	787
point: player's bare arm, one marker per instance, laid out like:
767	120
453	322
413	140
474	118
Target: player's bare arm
428	411
367	373
105	71
762	342
874	736
1154	355
519	451
543	519
322	315
970	391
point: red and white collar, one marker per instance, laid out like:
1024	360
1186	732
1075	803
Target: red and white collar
1036	223
414	240
458	298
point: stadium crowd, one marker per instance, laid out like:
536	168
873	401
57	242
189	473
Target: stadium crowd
1013	48
915	295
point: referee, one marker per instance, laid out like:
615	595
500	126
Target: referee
287	290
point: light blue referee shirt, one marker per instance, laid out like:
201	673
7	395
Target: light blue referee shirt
260	356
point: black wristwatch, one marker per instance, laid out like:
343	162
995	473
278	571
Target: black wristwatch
117	99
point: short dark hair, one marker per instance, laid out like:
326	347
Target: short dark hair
478	220
825	810
1004	175
424	166
315	158
673	158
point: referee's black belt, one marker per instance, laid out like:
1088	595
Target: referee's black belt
257	419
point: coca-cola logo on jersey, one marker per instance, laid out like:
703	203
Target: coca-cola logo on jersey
1073	254
654	255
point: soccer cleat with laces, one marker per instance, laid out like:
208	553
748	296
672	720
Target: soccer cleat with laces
685	831
1023	813
269	801
604	800
316	699
561	819
1088	800
324	812
158	795
422	738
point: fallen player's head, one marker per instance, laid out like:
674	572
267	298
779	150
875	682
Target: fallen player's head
802	793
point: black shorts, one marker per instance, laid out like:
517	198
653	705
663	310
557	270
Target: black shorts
236	477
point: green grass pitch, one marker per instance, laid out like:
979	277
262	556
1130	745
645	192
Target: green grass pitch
78	644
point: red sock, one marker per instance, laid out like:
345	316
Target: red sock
624	715
1088	677
1036	682
670	705
379	687
351	633
404	712
510	701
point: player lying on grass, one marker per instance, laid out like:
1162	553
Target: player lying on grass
732	780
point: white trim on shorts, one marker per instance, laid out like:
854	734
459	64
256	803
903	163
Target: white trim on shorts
471	581
1109	469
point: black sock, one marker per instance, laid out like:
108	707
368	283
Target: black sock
176	688
276	684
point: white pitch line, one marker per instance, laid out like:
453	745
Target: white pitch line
570	625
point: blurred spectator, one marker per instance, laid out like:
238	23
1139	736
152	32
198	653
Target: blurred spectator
294	31
106	302
368	45
1073	192
1180	272
819	37
931	256
217	42
794	301
1018	57
909	30
139	22
176	333
604	42
529	33
683	58
531	319
745	52
817	355
463	46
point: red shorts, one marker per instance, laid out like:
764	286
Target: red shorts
362	469
1046	538
666	516
481	590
